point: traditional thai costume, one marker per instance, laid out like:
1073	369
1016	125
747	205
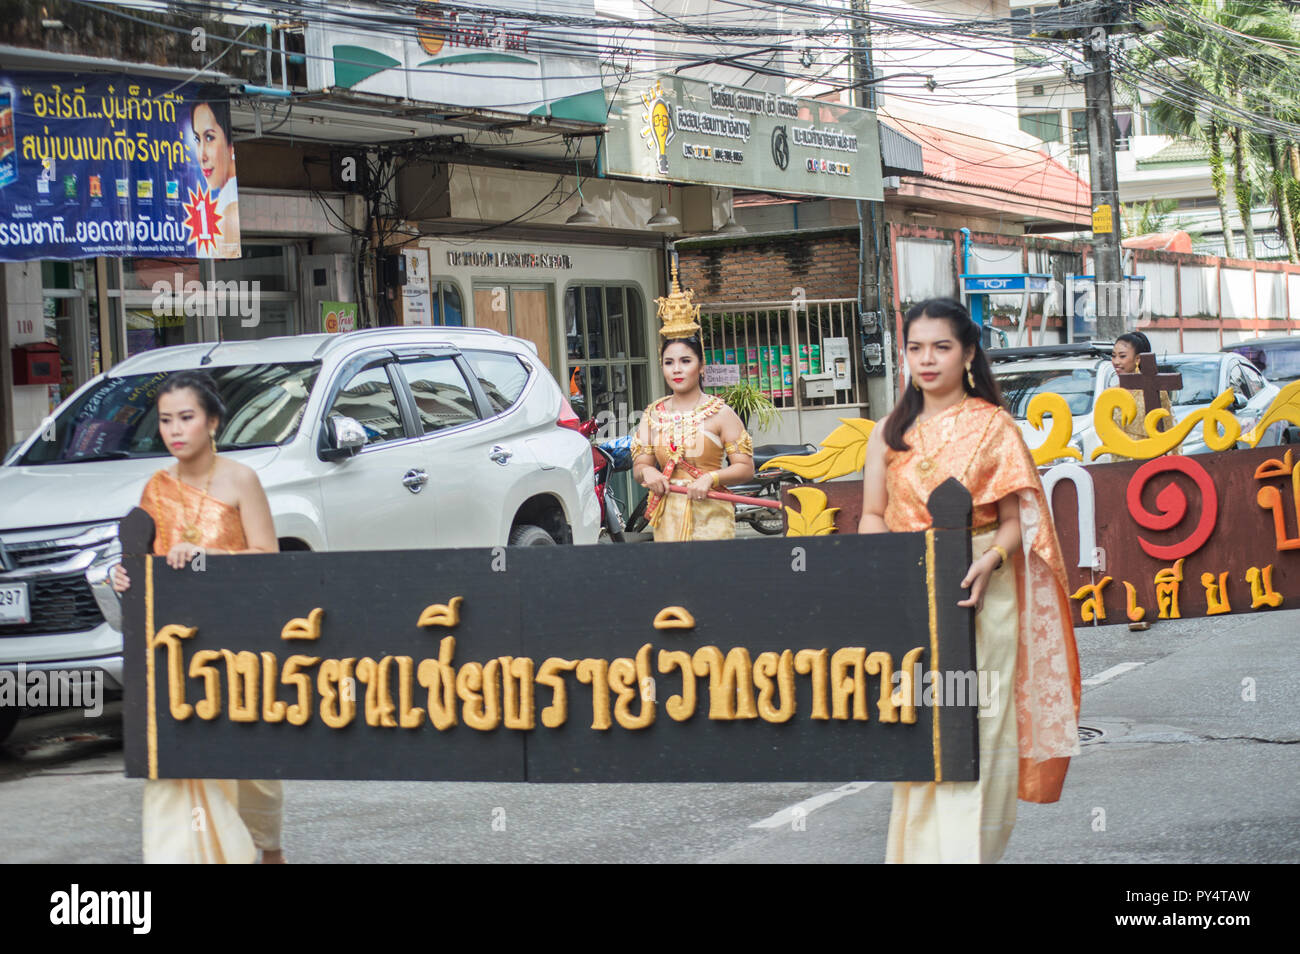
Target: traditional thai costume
1023	632
685	451
1136	428
198	821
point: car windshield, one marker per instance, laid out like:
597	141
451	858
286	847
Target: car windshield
1200	379
1280	361
1019	387
117	417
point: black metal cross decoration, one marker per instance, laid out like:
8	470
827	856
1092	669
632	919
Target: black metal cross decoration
1151	384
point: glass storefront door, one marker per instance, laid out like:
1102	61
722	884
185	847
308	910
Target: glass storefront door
520	310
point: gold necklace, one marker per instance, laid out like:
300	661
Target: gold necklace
190	532
926	463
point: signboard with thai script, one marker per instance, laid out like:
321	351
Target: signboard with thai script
671	129
115	165
830	659
463	57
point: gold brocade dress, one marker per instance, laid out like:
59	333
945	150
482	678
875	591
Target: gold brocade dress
1028	725
1136	428
203	821
680	443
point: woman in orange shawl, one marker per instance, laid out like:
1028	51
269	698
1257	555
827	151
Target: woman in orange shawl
951	422
212	505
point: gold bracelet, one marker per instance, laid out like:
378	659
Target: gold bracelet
717	481
1002	555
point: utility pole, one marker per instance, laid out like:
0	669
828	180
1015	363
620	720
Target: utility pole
874	318
1112	311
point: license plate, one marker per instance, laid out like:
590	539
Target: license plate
13	604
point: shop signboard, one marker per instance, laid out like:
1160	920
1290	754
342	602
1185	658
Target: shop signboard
670	129
463	57
115	165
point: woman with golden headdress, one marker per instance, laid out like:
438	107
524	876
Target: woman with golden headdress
210	505
682	438
951	422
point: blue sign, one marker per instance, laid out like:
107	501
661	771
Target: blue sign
115	165
1000	284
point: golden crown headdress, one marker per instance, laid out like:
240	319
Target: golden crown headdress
679	315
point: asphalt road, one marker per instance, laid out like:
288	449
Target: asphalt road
1187	768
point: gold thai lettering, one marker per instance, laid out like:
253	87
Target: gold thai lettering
1167	581
441	614
439	677
304	628
517	692
380	707
848	678
882	664
479	687
626	677
338	699
273	709
731	682
1094	602
292	675
1131	608
551	674
408	716
1216	593
905	697
766	666
680	707
209	707
1261	588
171	636
814	663
596	673
674	617
242	670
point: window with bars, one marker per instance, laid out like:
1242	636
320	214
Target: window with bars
608	367
771	345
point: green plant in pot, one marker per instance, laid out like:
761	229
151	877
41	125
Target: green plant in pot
749	402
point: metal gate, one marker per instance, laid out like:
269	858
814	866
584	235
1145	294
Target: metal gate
776	343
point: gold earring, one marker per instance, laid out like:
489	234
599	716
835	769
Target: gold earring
916	384
970	377
213	438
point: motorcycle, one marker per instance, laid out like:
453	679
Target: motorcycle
607	459
768	484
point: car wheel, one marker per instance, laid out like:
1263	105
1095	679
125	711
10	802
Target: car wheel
527	535
8	719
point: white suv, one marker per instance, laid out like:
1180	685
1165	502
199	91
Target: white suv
392	439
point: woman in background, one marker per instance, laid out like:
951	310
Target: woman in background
213	505
1124	359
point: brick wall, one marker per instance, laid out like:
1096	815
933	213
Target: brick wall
769	268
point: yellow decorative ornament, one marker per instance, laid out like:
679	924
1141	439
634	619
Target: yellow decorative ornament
1285	407
1221	429
680	316
813	518
843	452
1057	444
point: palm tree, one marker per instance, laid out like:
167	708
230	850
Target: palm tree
1218	59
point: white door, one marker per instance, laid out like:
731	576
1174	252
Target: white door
472	456
378	499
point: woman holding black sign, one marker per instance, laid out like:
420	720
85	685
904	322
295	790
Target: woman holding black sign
207	505
951	422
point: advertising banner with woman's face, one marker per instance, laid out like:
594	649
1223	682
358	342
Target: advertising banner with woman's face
115	165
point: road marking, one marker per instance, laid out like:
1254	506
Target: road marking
803	809
1111	673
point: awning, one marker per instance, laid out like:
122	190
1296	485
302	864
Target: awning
899	154
972	174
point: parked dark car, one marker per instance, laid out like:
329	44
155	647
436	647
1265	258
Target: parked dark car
1278	357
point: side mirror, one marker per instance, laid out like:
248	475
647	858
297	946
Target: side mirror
345	438
1239	400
